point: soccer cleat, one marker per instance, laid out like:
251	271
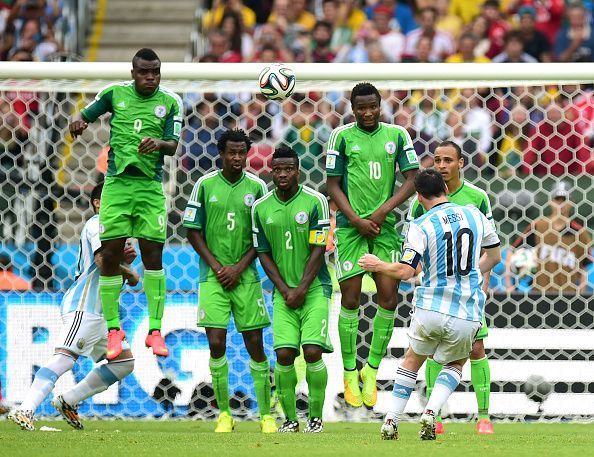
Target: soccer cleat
427	426
389	430
225	423
155	340
114	343
352	392
23	419
68	412
289	427
268	424
484	427
369	391
314	425
439	428
3	408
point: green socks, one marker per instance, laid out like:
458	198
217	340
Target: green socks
109	291
261	375
285	378
480	375
219	371
383	327
432	370
155	289
348	328
317	379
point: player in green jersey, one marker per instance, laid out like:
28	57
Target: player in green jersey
290	226
449	162
219	223
145	125
361	162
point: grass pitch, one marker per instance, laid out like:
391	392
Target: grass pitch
192	438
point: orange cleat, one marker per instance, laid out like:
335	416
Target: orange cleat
484	427
114	343
439	428
155	340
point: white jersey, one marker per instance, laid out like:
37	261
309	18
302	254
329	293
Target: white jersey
83	294
448	239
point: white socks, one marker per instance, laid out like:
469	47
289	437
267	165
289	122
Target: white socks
45	379
404	384
446	382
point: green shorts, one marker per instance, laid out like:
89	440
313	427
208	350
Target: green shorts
350	246
132	207
292	328
216	304
483	332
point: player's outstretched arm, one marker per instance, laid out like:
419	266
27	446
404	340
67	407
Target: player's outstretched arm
366	227
400	271
402	194
490	258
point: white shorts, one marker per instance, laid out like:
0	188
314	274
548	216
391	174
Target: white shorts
444	337
85	334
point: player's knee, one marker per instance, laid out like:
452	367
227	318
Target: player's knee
387	301
478	350
350	300
121	368
312	353
285	356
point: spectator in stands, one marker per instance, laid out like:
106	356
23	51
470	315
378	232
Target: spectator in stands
341	34
536	43
442	43
392	41
513	142
556	148
575	41
200	137
220	47
562	248
269	45
320	45
480	29
467	10
401	12
291	14
241	41
513	51
357	52
422	52
476	127
497	27
214	17
466	51
352	16
8	279
429	122
548	14
447	22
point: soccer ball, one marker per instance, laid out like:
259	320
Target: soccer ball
537	388
523	262
277	81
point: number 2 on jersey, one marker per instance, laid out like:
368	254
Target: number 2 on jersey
289	237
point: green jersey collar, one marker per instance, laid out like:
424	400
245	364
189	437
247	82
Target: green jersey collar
290	199
229	183
379	127
457	190
144	96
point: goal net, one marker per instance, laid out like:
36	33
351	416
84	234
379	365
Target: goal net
527	141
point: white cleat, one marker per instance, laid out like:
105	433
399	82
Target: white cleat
389	430
427	426
23	419
68	412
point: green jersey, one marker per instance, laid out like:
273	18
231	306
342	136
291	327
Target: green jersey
222	211
466	195
287	229
367	164
134	117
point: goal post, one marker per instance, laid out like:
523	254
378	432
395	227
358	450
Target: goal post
523	129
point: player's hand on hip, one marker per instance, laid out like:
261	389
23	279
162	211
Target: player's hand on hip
370	262
148	145
77	127
229	276
366	227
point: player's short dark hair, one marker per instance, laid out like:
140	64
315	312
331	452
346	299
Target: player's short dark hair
365	88
145	54
514	35
430	184
451	144
285	152
96	193
237	135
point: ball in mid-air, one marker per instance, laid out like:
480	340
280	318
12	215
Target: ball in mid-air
277	81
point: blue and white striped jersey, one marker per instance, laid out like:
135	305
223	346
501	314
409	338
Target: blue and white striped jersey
83	294
449	239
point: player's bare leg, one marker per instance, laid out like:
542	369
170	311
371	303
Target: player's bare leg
219	370
155	288
383	327
481	380
285	378
348	329
317	380
260	370
110	285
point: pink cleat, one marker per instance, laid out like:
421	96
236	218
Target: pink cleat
114	343
484	427
439	428
155	340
